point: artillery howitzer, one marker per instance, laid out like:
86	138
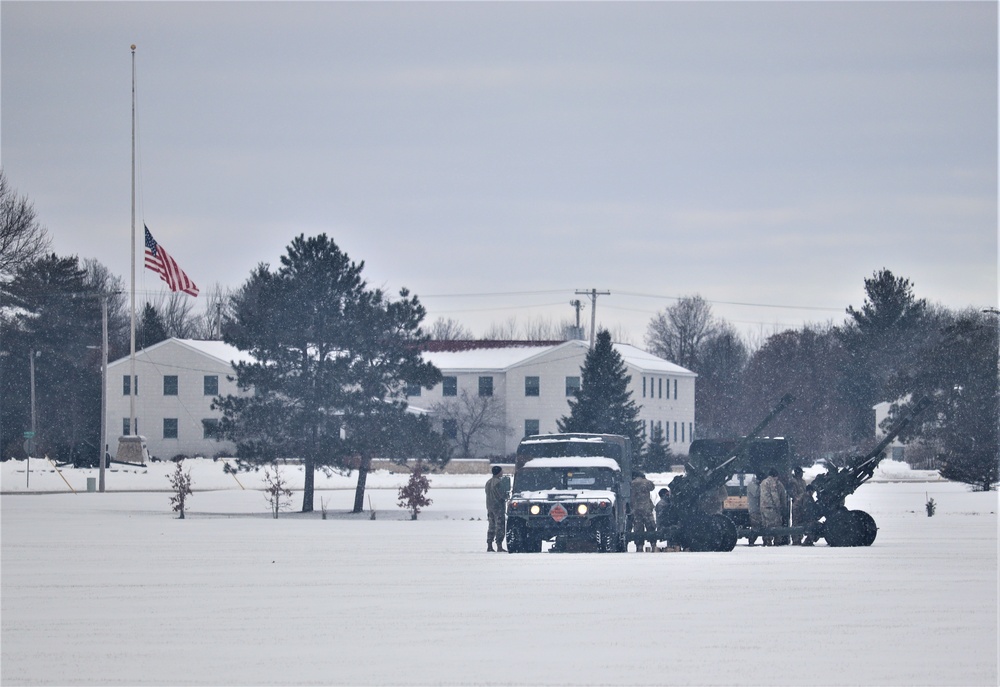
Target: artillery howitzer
840	526
687	524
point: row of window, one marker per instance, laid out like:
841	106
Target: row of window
686	431
652	387
532	386
210	385
209	427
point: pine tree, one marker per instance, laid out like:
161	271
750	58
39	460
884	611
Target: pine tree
333	361
656	455
150	329
603	404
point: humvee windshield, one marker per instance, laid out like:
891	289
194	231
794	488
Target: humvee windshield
544	479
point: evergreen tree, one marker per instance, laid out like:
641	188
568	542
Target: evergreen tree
881	341
959	373
48	309
603	404
657	456
332	361
150	329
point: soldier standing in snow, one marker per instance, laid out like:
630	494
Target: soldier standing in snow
663	515
496	505
643	527
797	489
773	498
753	507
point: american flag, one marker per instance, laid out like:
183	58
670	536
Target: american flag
160	262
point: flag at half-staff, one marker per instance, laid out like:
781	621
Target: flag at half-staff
158	260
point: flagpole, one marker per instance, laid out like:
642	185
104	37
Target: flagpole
132	380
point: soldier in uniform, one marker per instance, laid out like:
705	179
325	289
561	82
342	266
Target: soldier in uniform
753	506
797	490
663	515
643	527
496	509
773	500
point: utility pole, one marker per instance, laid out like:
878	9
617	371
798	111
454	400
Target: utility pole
593	293
104	389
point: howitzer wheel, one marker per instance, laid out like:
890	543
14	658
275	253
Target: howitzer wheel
867	527
725	530
700	533
850	528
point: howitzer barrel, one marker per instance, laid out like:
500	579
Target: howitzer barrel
897	429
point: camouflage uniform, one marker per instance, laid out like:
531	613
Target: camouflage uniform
643	527
753	508
496	509
773	502
797	491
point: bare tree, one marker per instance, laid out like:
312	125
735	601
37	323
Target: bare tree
276	490
503	331
218	299
176	311
22	238
678	332
448	330
99	279
478	421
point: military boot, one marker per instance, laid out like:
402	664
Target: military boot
489	546
501	549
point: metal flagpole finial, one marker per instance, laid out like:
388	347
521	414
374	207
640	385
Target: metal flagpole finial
133	47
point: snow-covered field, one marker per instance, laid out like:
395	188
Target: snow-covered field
113	589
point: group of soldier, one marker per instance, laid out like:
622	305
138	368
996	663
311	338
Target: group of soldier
767	503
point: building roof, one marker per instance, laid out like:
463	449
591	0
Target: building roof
503	355
222	352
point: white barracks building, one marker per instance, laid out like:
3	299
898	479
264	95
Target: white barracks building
529	384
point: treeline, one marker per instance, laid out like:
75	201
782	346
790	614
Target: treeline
894	348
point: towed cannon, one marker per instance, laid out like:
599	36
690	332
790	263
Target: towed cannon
831	519
686	523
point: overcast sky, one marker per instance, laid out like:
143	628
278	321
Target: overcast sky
496	157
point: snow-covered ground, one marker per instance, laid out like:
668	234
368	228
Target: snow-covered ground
113	589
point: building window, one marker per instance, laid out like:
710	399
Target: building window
126	385
666	435
169	428
449	386
126	430
691	431
675	389
485	386
209	428
412	389
675	432
531	386
450	428
572	386
530	427
169	385
682	433
644	386
211	385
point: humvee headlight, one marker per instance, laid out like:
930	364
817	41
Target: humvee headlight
536	509
513	505
582	509
603	504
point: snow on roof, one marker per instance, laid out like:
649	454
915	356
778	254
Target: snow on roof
497	355
214	349
502	355
572	462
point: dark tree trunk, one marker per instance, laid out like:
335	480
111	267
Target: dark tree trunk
309	485
359	493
